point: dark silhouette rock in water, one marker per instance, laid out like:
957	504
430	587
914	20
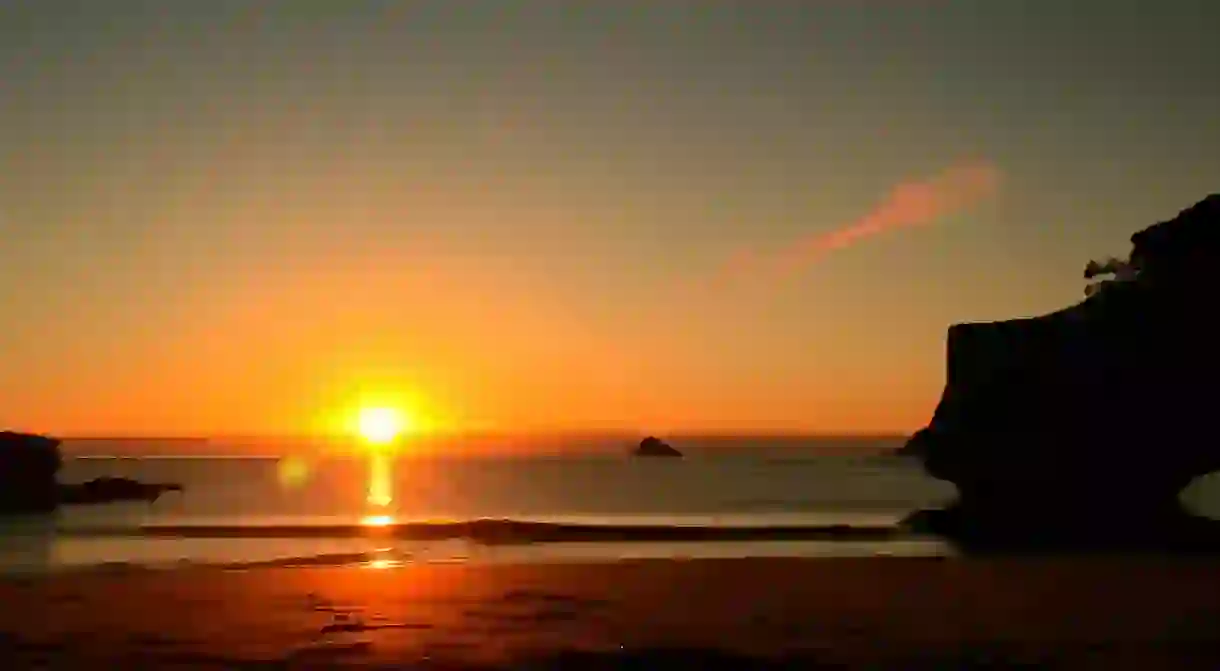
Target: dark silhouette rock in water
28	465
1077	430
655	447
110	490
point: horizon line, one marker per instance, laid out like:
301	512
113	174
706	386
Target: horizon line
559	433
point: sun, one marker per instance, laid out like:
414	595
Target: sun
381	426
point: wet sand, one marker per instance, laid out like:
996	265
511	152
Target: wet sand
809	613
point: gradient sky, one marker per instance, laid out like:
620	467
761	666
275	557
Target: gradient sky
238	216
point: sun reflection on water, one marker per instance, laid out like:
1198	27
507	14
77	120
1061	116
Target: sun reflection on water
380	492
381	481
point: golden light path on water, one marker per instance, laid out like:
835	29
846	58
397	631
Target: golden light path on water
380	496
381	480
378	428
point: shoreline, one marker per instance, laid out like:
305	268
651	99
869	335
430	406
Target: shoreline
898	612
498	531
68	555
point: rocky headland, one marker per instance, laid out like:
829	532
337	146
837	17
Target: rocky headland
29	465
1077	430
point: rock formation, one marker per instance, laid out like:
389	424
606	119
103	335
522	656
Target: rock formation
28	464
109	490
1078	429
655	447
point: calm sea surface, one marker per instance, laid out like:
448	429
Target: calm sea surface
296	494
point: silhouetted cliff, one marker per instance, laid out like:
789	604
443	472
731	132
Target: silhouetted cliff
1079	428
28	464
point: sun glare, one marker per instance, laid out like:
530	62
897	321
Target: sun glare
381	426
377	521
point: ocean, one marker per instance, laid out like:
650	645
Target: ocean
382	510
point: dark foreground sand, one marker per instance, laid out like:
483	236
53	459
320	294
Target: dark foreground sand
812	613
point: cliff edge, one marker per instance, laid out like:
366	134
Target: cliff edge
28	465
1079	429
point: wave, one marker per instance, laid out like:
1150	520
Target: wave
765	505
508	531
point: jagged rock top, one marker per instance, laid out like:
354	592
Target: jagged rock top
1176	255
1195	231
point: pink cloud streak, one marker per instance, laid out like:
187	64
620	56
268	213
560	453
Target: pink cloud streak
909	204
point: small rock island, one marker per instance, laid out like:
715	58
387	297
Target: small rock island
29	464
655	447
1077	430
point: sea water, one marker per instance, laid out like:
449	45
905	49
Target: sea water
271	509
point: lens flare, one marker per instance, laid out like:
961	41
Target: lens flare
292	472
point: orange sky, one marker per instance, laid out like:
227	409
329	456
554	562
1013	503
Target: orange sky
223	218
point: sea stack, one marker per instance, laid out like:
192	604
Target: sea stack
1077	430
28	465
655	447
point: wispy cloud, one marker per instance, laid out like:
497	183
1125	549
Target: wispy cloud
908	204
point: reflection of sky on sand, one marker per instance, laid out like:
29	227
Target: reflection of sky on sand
383	558
27	543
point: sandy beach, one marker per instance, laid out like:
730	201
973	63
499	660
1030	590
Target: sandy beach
819	613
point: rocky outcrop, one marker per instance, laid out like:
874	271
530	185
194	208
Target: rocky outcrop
110	490
28	465
1078	429
655	447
